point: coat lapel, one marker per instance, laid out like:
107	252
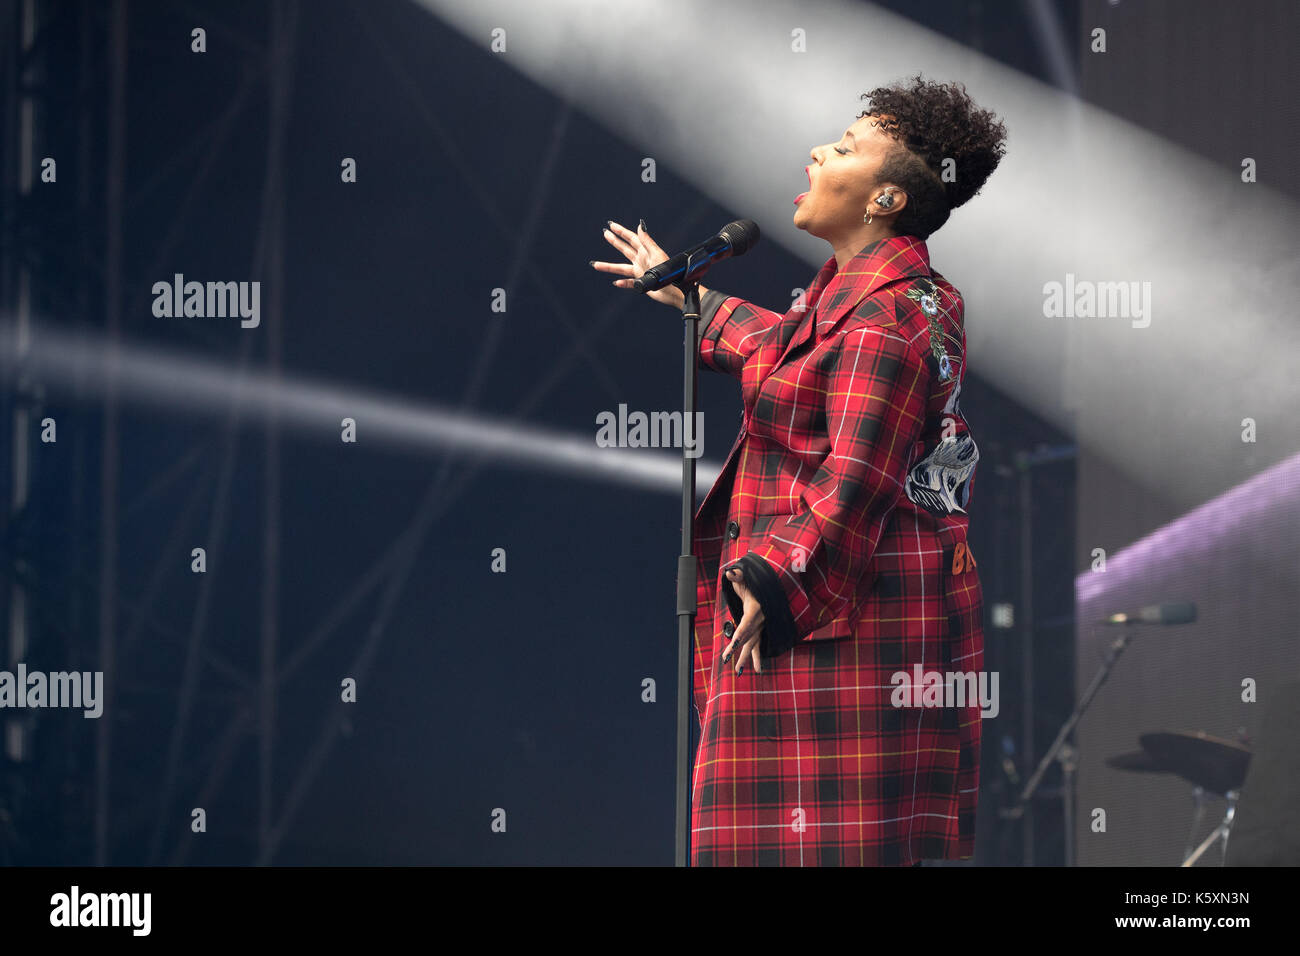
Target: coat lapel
802	331
836	293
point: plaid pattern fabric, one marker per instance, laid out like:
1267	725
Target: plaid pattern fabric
862	574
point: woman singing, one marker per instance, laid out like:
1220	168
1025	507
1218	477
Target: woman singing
839	636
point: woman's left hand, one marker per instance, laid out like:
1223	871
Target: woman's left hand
749	632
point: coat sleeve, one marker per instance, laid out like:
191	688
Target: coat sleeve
730	330
805	571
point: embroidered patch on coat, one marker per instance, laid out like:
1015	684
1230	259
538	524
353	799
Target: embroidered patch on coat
940	482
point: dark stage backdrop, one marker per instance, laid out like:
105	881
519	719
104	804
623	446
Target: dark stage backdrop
477	690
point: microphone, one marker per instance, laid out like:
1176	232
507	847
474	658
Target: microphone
1174	612
734	239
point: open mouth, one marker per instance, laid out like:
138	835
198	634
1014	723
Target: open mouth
808	172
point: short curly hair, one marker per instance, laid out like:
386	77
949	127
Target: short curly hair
932	123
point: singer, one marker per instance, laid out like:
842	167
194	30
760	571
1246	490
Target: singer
833	548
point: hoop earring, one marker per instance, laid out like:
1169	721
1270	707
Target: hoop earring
868	217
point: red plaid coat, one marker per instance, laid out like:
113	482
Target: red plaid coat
844	504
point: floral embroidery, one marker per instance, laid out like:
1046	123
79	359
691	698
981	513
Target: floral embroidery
926	294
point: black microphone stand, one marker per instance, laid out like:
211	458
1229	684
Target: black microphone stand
697	263
687	566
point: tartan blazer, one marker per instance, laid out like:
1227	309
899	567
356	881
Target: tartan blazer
844	500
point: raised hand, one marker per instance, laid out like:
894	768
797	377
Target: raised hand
641	253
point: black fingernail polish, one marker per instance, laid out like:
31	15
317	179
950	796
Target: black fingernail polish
643	225
609	224
591	262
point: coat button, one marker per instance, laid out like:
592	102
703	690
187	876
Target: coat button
728	629
733	530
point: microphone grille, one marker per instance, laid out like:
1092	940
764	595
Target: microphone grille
741	234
